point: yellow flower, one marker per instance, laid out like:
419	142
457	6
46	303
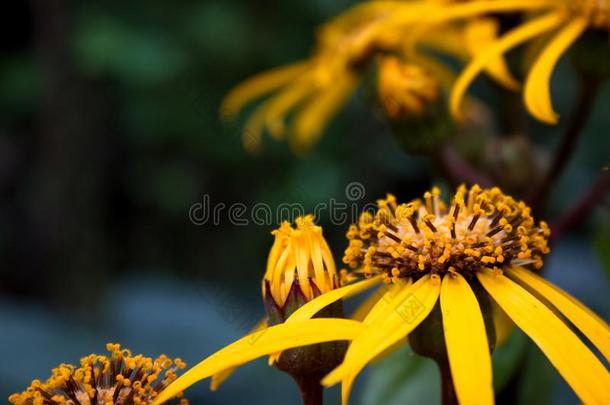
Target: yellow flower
313	90
563	20
316	88
300	267
120	379
404	90
428	252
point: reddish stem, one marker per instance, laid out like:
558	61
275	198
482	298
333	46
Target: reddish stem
576	214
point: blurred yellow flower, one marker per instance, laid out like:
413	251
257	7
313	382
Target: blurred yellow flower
563	20
121	379
404	90
428	252
313	90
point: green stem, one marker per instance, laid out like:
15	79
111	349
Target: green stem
586	101
311	390
511	112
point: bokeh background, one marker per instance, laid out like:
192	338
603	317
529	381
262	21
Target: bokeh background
109	133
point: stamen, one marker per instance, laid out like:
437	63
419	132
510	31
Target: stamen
414	225
475	218
120	379
392	236
449	242
472	195
427	220
428	199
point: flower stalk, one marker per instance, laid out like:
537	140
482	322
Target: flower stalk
589	89
311	390
448	396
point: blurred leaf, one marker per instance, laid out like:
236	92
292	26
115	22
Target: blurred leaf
137	55
537	381
170	186
507	357
19	85
403	378
602	244
219	28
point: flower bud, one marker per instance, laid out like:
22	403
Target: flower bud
300	267
411	102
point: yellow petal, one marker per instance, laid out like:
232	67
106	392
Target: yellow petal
407	310
270	340
447	40
314	306
592	326
502	324
314	116
221	377
281	104
380	310
390	349
577	365
258	86
480	33
253	129
513	38
302	254
467	344
317	262
367	305
474	8
430	18
537	92
533	49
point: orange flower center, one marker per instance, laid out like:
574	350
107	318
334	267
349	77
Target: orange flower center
481	229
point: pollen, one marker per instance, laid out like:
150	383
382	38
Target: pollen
300	256
118	379
481	228
596	11
404	90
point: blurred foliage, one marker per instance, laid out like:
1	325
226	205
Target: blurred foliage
537	381
403	377
602	239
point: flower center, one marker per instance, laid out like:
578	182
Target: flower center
120	379
481	228
404	89
597	11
